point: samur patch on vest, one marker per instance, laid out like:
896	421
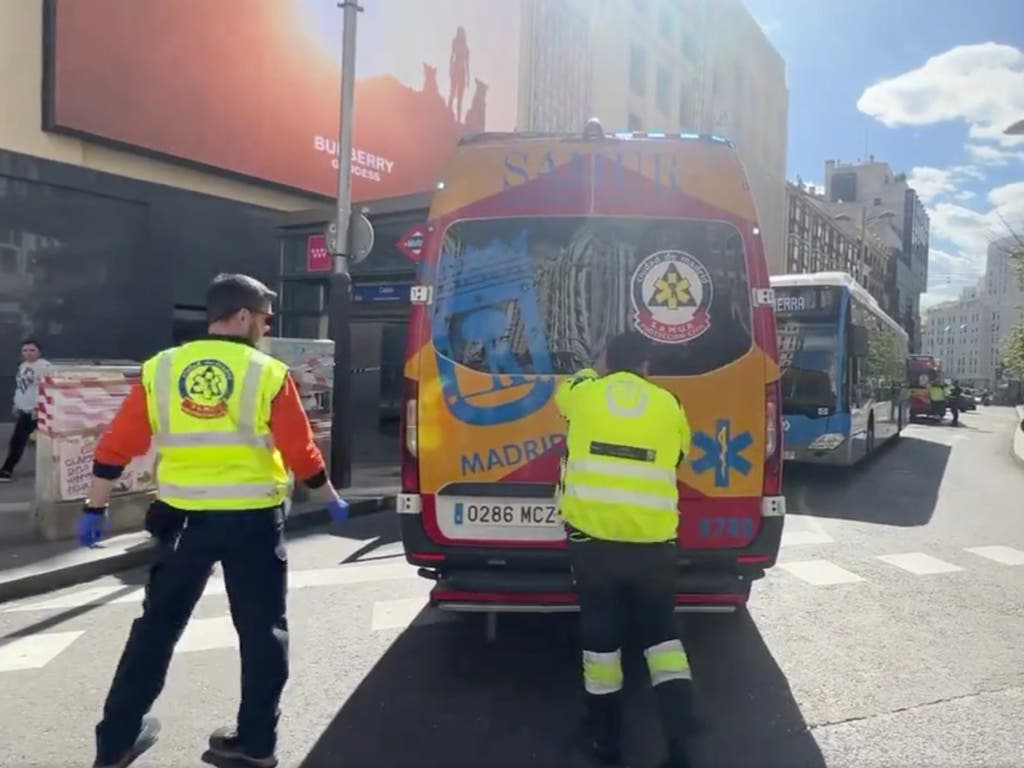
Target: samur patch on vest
671	292
204	387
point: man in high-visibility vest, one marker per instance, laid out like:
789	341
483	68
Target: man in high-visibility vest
619	500
227	423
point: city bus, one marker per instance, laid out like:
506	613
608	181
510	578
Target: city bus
922	372
842	361
539	248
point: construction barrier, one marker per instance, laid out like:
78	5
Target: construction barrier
77	402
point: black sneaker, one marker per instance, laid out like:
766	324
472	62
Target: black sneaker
5	476
147	737
224	742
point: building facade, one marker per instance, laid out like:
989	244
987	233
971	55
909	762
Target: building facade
968	335
106	204
870	198
701	66
817	242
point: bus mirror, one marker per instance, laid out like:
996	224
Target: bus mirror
858	341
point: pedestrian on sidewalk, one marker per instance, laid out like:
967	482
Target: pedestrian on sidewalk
619	498
26	398
227	421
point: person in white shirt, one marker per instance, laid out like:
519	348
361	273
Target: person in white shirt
26	397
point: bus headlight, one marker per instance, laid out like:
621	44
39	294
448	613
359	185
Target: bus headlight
827	442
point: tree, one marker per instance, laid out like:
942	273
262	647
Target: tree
1013	347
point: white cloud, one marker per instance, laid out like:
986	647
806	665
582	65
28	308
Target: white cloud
970	231
964	195
989	154
931	182
981	85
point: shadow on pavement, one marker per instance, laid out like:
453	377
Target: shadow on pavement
441	698
898	485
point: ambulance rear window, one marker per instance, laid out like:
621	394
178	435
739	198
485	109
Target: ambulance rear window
543	295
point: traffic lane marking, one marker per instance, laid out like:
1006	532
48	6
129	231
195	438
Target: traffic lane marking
999	554
820	573
919	564
35	651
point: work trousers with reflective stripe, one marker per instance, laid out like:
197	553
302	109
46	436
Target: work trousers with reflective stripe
622	585
249	544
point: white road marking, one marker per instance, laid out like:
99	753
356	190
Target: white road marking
820	573
70	600
999	554
919	563
35	651
405	612
353	573
798	538
207	635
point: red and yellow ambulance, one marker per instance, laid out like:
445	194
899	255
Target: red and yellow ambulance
539	249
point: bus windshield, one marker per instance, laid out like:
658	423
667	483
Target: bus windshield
542	295
808	355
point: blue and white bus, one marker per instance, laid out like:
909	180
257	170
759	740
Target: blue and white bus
843	364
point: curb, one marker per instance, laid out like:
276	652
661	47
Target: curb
302	517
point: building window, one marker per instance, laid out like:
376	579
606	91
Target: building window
638	70
661	91
635	122
844	187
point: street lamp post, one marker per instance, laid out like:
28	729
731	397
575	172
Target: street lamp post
340	297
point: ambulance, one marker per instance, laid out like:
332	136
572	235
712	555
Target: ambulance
538	249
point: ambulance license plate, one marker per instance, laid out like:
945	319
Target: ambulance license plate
514	514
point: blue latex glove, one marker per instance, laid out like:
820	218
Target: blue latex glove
338	509
91	525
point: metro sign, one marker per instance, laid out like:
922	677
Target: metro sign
318	258
411	243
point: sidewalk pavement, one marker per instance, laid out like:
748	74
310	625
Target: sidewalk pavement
28	569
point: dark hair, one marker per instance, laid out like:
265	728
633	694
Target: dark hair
33	342
627	352
229	294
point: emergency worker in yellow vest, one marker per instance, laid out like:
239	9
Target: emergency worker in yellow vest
227	423
619	500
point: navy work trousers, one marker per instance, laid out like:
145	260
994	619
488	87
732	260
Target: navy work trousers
250	546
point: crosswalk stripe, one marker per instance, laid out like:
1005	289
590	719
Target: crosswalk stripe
406	612
396	614
353	573
820	573
71	600
207	635
999	554
919	564
800	538
35	651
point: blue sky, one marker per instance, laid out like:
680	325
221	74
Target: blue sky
928	85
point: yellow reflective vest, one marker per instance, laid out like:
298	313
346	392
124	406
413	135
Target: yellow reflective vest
209	409
624	442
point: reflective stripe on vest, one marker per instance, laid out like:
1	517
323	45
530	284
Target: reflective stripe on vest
634	470
245	434
636	499
219	492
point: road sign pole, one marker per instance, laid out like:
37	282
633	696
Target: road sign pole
339	319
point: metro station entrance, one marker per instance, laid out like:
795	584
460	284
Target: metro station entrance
380	314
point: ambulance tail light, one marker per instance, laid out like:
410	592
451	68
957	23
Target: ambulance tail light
772	442
410	438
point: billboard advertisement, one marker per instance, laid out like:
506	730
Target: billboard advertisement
253	88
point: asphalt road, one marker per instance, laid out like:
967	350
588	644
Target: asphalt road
890	635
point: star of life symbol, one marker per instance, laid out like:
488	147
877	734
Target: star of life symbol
671	293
